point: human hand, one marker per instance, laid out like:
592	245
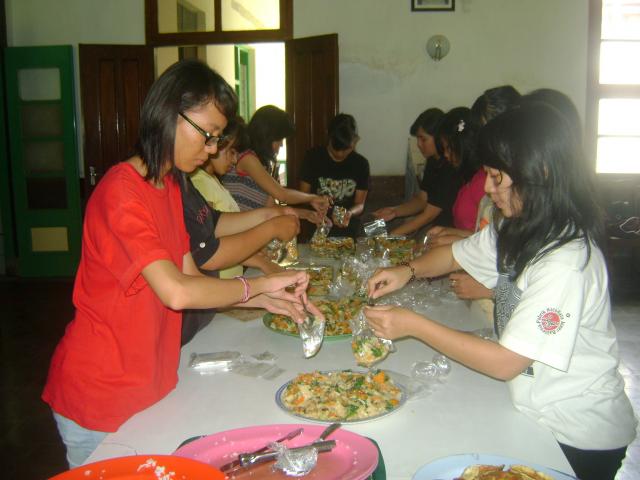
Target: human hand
387	280
312	216
386	213
320	204
289	285
285	227
436	231
467	287
287	210
281	307
441	240
312	308
390	322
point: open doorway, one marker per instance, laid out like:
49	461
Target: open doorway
256	71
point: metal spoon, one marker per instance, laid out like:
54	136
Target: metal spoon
328	431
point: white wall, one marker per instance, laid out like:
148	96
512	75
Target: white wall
386	78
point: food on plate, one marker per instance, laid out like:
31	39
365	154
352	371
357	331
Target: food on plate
342	395
332	246
497	472
369	349
337	315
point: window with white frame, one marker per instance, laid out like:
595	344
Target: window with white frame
617	87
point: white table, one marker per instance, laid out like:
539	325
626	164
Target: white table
469	413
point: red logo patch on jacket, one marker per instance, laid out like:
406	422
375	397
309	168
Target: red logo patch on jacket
550	321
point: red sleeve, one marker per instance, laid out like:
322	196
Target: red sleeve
125	232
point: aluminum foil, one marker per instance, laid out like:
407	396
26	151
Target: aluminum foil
311	332
295	463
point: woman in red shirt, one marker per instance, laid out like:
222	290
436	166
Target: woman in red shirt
120	353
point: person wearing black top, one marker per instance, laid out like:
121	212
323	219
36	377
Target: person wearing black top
439	186
214	248
338	171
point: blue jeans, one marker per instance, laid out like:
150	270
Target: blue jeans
79	442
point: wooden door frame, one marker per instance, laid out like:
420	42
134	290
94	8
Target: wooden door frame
91	58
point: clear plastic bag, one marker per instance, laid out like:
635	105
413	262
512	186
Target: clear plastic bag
213	362
368	349
261	365
375	228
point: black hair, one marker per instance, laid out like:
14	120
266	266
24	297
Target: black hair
185	85
343	131
535	146
428	121
267	125
460	131
237	133
493	102
558	100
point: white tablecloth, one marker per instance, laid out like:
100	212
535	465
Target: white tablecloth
468	413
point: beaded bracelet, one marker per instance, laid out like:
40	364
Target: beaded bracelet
247	290
413	270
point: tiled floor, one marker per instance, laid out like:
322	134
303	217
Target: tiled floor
626	317
33	317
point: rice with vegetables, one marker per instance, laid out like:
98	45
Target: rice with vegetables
342	395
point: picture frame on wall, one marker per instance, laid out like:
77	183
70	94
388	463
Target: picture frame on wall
433	5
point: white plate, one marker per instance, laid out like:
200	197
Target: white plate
280	403
448	468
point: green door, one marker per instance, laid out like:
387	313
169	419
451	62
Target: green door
43	159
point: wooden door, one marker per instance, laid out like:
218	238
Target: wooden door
311	95
114	80
44	159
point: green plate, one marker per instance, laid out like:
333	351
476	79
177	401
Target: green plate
266	319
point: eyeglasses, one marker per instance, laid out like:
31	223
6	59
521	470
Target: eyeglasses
209	140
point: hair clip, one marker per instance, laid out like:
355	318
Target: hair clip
460	126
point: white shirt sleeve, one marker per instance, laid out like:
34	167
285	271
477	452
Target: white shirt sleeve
544	325
477	256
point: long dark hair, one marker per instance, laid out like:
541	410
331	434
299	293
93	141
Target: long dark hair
536	146
459	129
238	137
428	121
559	100
493	102
184	85
267	125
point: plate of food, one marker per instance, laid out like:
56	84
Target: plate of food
337	313
353	458
143	467
345	396
476	466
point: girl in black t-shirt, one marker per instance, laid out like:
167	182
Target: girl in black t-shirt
338	171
